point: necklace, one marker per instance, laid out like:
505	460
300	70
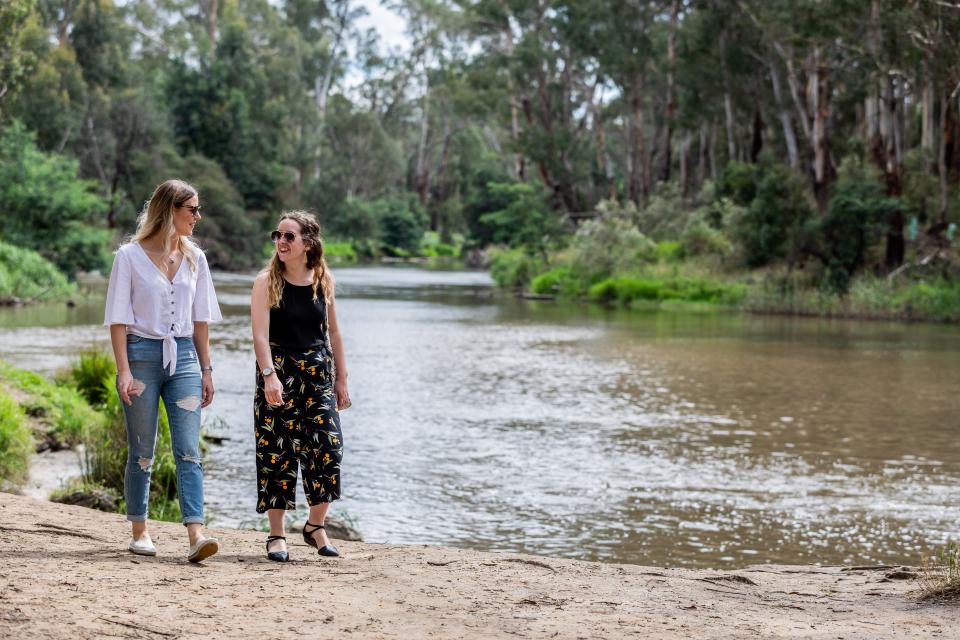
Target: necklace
170	259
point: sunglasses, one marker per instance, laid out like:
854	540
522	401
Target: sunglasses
194	209
289	236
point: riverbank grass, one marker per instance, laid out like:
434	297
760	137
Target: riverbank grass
60	415
93	375
941	576
16	443
26	276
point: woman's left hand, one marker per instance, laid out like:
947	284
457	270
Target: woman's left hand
207	387
343	396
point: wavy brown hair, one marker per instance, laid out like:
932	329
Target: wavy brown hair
312	240
157	218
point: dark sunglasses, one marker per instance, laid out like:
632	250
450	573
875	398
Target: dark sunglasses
289	236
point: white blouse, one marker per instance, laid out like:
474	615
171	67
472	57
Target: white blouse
140	296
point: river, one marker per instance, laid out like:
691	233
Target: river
653	437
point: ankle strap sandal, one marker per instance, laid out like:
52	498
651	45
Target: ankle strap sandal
326	550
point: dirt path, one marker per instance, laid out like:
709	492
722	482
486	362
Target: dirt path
64	573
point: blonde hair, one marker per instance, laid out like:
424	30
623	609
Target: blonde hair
322	280
157	218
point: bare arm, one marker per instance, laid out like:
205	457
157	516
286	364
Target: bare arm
339	359
260	322
118	339
201	342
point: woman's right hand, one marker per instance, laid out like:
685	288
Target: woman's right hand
125	387
273	390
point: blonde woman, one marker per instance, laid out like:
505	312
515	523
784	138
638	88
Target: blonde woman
301	383
159	303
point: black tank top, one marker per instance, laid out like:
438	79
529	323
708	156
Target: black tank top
299	322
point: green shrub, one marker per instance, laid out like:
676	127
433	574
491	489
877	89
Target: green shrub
561	281
670	251
701	239
608	245
16	443
66	414
853	222
26	275
938	300
339	252
432	246
92	375
625	290
772	226
46	207
106	451
521	217
513	268
665	215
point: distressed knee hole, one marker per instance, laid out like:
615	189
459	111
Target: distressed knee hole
145	463
193	459
190	403
137	387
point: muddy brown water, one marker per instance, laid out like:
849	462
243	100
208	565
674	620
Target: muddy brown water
652	437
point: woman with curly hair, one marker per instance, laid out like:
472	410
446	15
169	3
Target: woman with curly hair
301	383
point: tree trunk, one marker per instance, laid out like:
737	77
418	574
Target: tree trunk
756	142
727	99
713	153
422	174
928	137
670	107
702	154
321	84
608	186
789	136
818	99
945	144
636	149
440	191
210	8
685	162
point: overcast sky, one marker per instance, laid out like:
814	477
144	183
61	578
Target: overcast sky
388	24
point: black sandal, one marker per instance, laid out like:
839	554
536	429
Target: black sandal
277	556
326	550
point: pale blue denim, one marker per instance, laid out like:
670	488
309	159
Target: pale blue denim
181	395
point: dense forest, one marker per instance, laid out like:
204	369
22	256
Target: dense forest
809	137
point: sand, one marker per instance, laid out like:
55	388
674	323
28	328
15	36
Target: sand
65	573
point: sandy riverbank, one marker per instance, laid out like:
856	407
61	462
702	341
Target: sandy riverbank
65	574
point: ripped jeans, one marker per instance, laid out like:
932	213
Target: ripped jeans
181	395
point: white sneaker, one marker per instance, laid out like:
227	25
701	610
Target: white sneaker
203	549
142	546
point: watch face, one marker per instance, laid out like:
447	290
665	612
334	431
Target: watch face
266	372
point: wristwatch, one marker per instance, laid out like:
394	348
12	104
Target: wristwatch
266	371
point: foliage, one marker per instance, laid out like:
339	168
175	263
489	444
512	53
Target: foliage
94	374
65	414
777	209
941	575
25	275
610	244
339	252
514	268
16	443
702	239
853	222
517	214
46	207
561	281
626	290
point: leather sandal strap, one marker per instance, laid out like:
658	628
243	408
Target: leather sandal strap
272	538
310	524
